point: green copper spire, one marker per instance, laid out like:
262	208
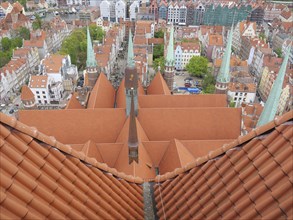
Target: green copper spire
170	50
224	73
91	59
130	55
270	109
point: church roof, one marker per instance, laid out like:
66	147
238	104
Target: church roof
73	103
103	94
41	177
158	86
248	178
26	93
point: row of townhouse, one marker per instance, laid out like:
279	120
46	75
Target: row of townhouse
214	13
7	8
48	41
16	73
107	52
114	10
268	77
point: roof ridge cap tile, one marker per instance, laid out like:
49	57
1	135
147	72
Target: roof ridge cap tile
50	140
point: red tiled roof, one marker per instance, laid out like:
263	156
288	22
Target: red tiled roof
73	103
103	94
158	86
182	101
26	93
41	179
249	178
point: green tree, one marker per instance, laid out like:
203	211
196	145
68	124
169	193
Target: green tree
278	51
23	3
75	46
24	33
6	44
4	58
197	66
37	24
159	62
16	42
262	36
159	34
96	32
208	83
158	51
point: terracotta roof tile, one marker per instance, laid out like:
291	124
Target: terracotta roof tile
64	186
26	93
158	86
102	95
257	182
171	101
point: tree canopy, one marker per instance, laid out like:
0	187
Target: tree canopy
23	33
278	51
208	84
159	34
159	62
76	44
158	51
7	46
37	24
197	66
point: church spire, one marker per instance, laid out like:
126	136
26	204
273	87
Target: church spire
91	59
224	73
130	54
170	61
132	135
270	109
170	50
223	77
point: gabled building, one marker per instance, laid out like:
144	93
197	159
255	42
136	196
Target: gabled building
120	10
243	29
184	51
163	10
105	10
5	8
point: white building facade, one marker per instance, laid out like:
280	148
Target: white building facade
120	10
184	52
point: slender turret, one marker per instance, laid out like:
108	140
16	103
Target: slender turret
91	63
270	109
170	61
223	77
131	78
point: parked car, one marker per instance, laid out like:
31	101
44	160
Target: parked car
11	111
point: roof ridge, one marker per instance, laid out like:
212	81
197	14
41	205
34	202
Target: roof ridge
50	140
239	141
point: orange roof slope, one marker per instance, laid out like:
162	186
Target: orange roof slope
250	179
77	126
102	95
175	156
158	86
26	93
183	101
39	181
120	95
191	123
74	103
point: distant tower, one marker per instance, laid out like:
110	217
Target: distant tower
132	135
91	63
223	77
170	61
131	78
270	109
28	98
